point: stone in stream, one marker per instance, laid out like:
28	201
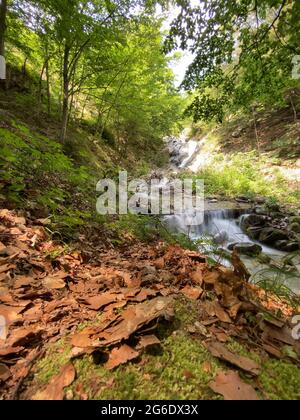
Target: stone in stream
250	220
271	235
246	248
287	246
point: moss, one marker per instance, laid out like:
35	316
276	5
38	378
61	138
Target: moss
280	380
181	369
56	356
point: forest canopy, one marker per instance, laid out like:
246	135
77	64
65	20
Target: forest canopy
96	60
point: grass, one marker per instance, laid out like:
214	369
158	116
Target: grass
181	369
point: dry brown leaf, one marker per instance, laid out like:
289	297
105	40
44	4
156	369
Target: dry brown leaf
98	302
4	373
147	341
197	276
11	313
54	391
221	352
193	293
23	336
52	282
215	309
121	355
211	277
230	385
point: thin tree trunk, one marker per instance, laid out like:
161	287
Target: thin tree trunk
48	89
3	12
256	130
294	109
40	92
65	106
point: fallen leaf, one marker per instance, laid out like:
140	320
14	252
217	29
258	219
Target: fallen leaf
221	352
54	391
54	283
147	341
24	336
215	309
197	276
193	293
230	385
4	373
121	355
98	302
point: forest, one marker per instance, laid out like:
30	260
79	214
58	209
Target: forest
149	201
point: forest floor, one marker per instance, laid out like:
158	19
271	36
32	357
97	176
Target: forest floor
100	308
135	322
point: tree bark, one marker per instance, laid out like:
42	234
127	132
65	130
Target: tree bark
3	12
48	88
66	83
256	130
294	108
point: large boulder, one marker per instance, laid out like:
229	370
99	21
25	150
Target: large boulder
250	220
254	232
287	246
272	235
246	248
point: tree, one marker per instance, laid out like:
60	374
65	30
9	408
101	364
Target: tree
243	50
3	12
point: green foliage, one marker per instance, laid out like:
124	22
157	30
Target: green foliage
243	53
241	174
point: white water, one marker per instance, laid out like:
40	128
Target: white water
221	225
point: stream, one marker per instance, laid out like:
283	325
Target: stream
222	222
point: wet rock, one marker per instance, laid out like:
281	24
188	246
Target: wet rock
254	232
295	227
292	247
221	238
246	248
271	235
251	220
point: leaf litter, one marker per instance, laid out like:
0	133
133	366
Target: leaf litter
45	299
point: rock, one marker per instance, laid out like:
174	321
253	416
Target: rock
246	248
264	258
250	220
281	245
261	210
295	227
295	219
292	247
254	232
221	237
260	200
238	133
271	235
287	246
242	199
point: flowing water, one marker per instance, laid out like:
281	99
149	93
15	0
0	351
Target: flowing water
219	227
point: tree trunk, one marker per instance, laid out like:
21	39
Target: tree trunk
294	109
256	130
3	11
65	105
48	89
